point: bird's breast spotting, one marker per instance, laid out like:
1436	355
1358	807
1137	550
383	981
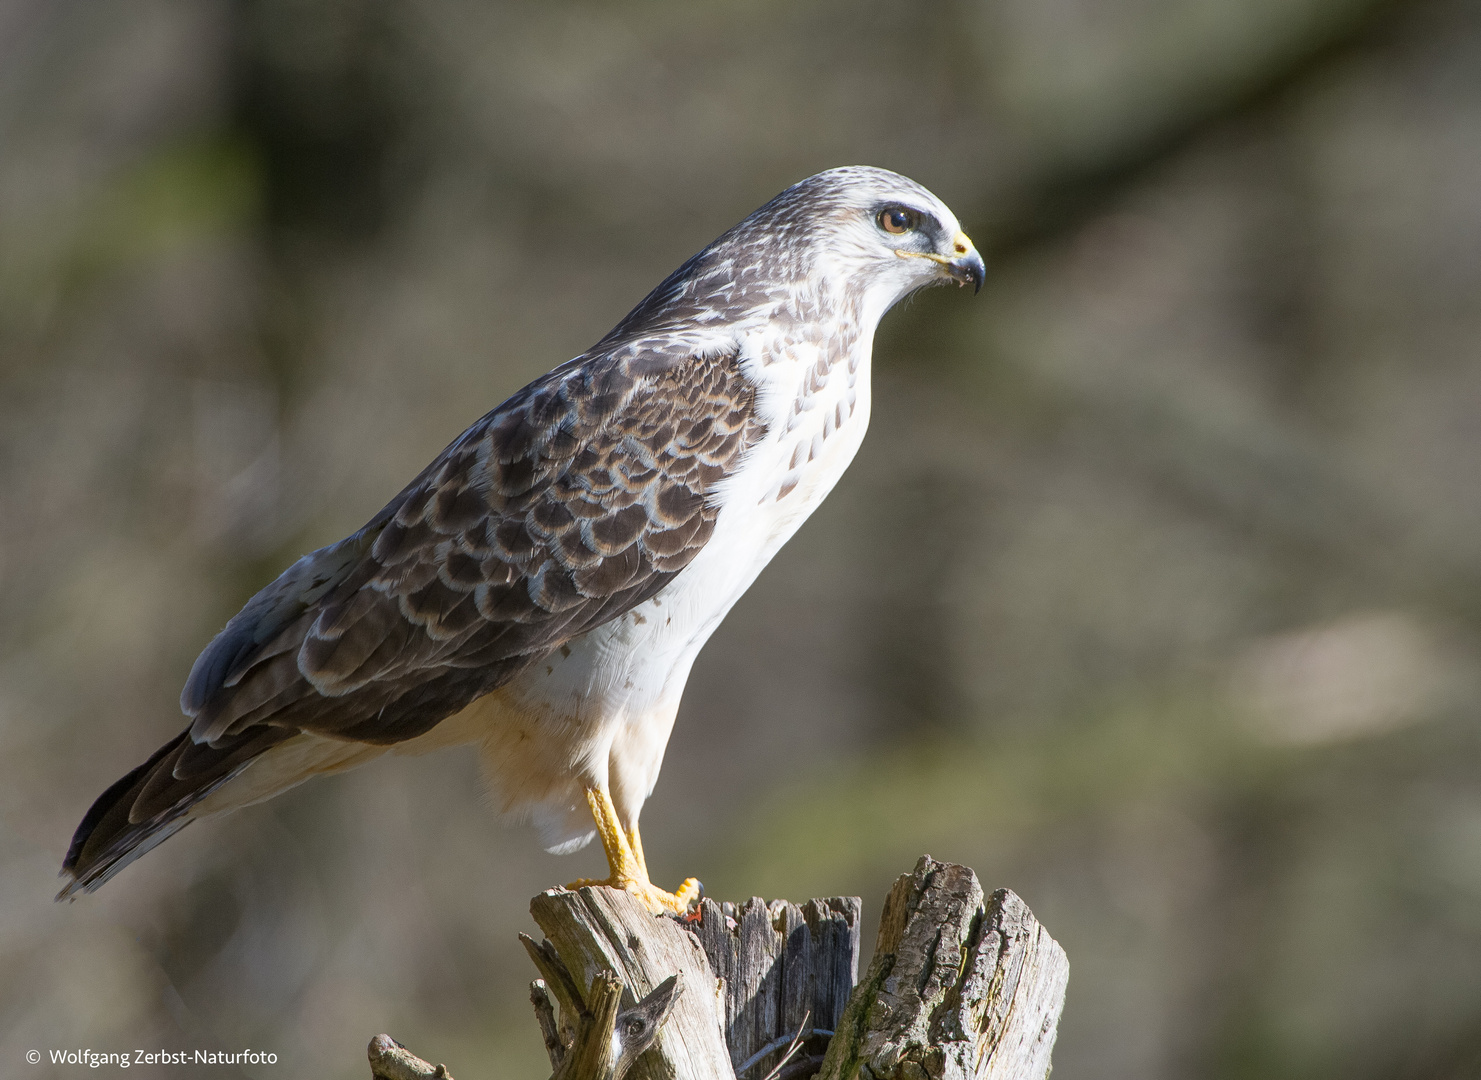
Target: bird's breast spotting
610	697
812	401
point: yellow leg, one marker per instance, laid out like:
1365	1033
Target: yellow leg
635	842
625	861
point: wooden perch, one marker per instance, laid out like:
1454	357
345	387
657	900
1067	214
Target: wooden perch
595	929
604	1044
389	1060
786	970
958	988
961	986
595	1040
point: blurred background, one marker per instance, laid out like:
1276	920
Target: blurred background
1154	593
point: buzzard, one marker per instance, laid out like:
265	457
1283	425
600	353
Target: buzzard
542	588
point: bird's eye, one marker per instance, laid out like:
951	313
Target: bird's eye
898	219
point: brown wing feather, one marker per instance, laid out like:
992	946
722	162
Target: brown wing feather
572	502
153	802
548	517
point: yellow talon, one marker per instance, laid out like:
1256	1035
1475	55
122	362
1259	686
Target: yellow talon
629	868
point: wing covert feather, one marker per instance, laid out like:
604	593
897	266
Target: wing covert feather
572	502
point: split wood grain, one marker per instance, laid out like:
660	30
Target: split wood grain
594	930
784	966
961	987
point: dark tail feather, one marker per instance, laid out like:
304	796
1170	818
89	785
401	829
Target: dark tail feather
151	804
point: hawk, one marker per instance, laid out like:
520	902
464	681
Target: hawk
542	588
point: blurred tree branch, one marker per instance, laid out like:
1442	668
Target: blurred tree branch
1054	202
1272	480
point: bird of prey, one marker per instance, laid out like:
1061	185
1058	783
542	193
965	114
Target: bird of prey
542	588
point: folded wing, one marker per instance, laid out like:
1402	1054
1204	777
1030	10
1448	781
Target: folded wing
575	500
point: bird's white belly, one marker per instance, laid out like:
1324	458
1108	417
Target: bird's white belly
598	712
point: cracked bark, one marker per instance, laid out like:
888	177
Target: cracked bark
961	985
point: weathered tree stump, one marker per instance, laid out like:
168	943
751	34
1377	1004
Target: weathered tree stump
786	970
961	986
594	930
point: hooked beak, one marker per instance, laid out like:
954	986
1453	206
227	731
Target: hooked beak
967	267
964	264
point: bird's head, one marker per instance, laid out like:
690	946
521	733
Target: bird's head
867	234
881	231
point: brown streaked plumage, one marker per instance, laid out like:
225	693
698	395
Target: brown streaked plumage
508	583
557	510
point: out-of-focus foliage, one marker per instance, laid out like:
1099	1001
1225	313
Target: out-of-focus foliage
1154	593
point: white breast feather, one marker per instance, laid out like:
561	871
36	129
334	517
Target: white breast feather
611	701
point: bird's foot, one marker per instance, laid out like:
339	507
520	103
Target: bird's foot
654	899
